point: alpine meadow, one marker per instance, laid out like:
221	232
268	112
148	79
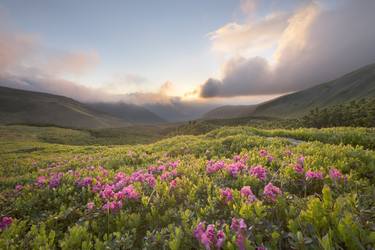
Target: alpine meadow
239	124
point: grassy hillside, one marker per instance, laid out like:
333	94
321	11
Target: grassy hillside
236	185
26	107
353	86
229	111
128	112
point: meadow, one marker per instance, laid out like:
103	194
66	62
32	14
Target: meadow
221	188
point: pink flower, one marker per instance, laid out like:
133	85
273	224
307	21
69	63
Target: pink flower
213	167
240	241
112	206
199	230
120	176
314	175
335	174
220	239
173	184
90	205
248	194
270	158
238	225
263	153
174	164
226	193
85	182
298	169
271	192
150	180
18	187
130	192
107	192
234	169
209	237
301	160
5	222
55	180
41	181
261	248
258	172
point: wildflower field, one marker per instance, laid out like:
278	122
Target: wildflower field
232	188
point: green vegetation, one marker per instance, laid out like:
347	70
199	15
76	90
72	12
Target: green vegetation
359	113
230	187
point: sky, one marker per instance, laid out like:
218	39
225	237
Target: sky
212	51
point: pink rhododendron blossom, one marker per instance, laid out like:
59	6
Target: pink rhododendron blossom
335	174
258	172
301	160
90	205
240	241
107	192
248	194
18	187
213	167
174	164
55	180
5	222
233	169
130	192
271	192
298	169
208	237
263	153
270	158
173	184
220	239
314	175
238	225
41	181
226	193
112	206
85	182
165	176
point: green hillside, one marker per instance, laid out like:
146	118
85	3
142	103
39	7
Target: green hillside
230	111
353	86
129	112
26	107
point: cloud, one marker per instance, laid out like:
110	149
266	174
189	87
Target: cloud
72	63
316	45
251	38
14	47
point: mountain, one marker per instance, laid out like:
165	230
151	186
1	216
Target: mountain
178	111
353	86
230	111
129	112
27	107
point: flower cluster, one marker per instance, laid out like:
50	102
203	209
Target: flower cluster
5	222
258	172
314	175
227	194
214	166
298	168
336	175
247	193
209	237
271	192
240	228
